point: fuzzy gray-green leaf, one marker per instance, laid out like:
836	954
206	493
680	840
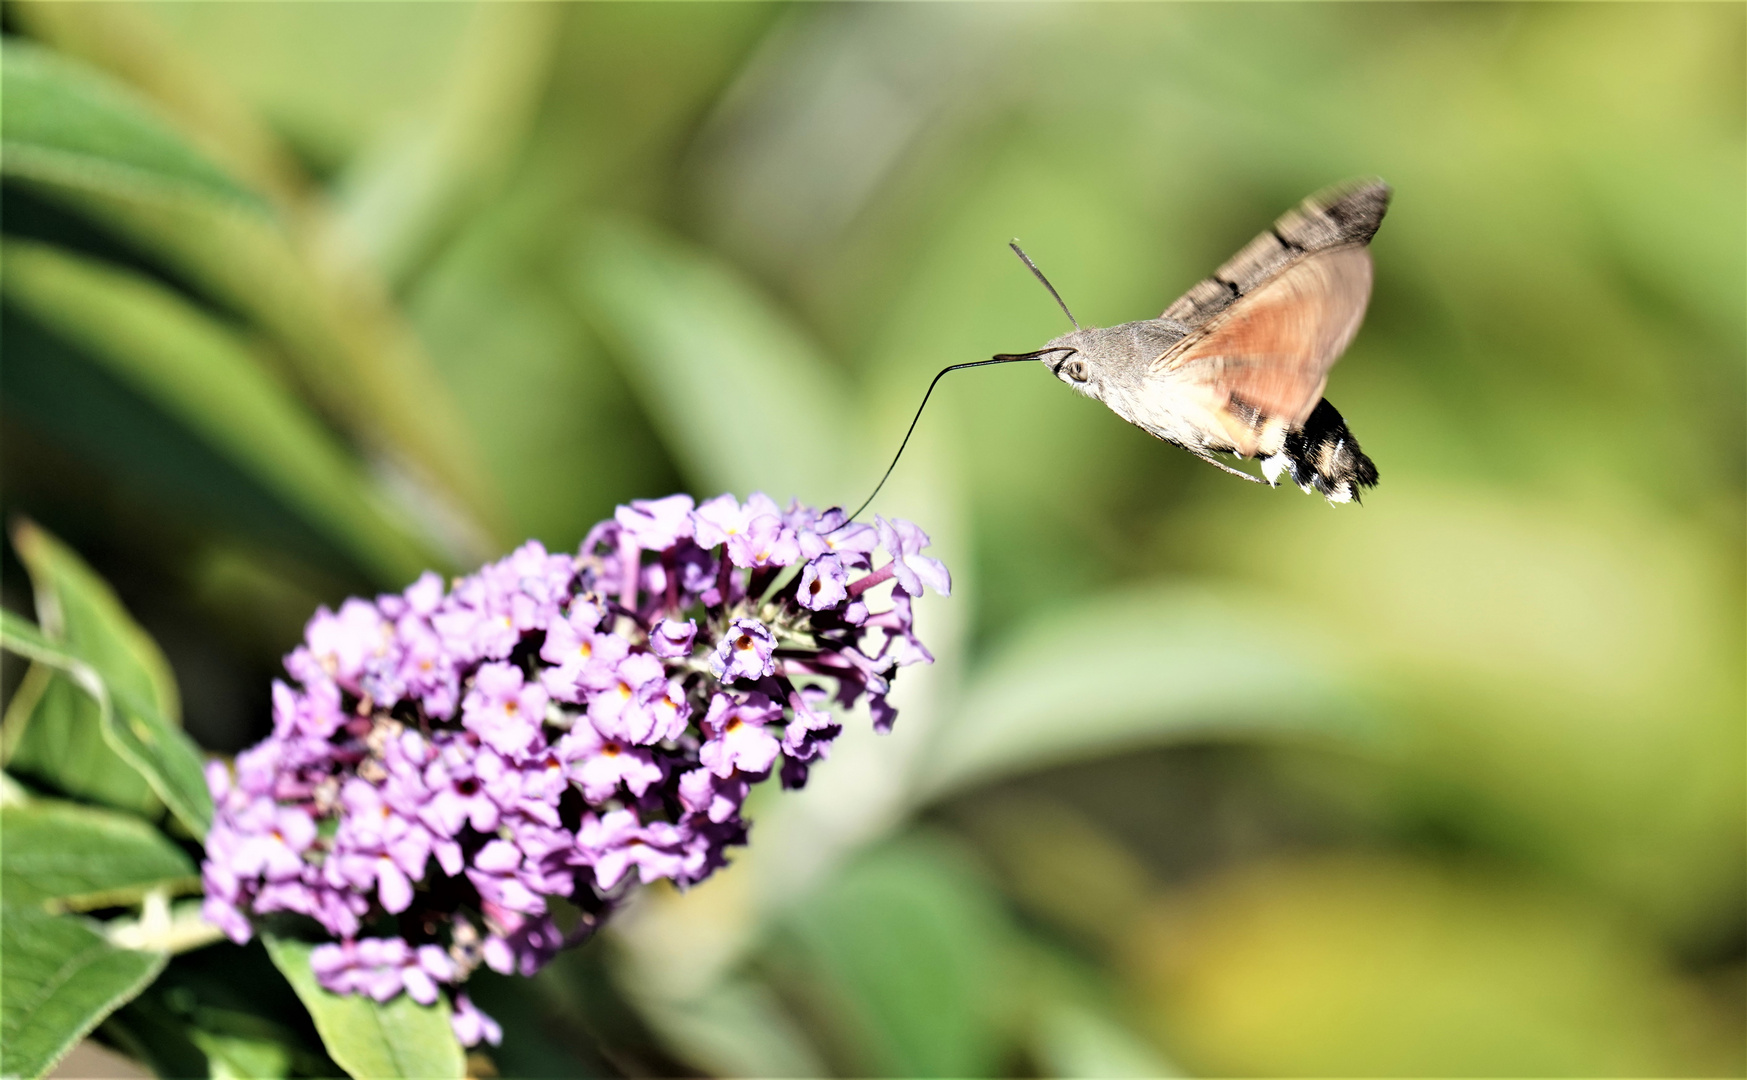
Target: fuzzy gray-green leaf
79	857
60	979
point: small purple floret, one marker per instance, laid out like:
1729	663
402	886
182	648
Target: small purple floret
904	542
746	651
822	584
673	640
472	1026
736	738
657	524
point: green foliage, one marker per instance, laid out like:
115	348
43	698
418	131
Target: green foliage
1524	979
533	383
1159	658
369	1039
58	729
705	352
97	703
135	730
62	976
72	857
54	729
348	348
200	372
425	281
911	951
217	1011
76	606
67	124
60	980
230	1057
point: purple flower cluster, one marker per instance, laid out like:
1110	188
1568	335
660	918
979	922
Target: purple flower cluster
449	764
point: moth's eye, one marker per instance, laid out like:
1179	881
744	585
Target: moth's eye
1075	370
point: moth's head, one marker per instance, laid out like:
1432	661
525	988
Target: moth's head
1069	357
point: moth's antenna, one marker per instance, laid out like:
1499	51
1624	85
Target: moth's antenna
1003	358
1017	250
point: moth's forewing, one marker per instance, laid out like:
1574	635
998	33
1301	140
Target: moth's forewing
1268	325
1338	216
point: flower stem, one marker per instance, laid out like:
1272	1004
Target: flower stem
863	584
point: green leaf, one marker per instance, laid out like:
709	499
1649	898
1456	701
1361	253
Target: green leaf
76	606
737	1027
355	100
192	1011
1071	1040
23	637
738	392
400	201
232	1058
334	320
56	729
1072	1027
132	45
165	756
1140	668
60	979
13	793
535	385
910	948
80	858
55	734
334	327
372	1039
337	328
156	1036
67	123
201	373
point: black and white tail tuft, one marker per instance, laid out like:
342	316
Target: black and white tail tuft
1323	456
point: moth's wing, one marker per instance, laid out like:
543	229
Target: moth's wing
1334	217
1258	367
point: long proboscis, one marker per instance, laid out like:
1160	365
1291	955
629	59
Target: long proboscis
1000	358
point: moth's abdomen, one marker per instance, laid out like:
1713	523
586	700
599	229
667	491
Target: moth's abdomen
1323	456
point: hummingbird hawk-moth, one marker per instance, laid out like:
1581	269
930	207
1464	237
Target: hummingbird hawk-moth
1238	363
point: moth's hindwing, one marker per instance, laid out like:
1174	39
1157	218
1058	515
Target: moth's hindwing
1269	354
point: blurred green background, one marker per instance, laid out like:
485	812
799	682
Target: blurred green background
1209	779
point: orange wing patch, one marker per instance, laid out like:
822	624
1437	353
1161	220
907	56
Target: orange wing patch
1266	357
